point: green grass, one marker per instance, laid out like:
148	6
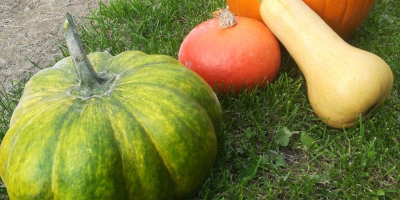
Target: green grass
273	146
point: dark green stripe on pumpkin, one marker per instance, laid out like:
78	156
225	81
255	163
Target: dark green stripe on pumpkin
28	175
150	80
88	163
85	163
182	133
144	171
171	74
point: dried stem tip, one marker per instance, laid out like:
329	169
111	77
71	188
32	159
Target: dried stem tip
226	18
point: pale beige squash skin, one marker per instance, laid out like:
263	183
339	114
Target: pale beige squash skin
342	81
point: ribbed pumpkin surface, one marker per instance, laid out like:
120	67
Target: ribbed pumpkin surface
151	136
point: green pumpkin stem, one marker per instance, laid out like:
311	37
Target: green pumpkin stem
90	82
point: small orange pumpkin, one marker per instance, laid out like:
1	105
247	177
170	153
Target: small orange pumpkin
343	16
232	53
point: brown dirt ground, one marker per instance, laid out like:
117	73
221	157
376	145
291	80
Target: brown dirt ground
32	29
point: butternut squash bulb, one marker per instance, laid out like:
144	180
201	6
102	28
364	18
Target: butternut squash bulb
342	81
343	16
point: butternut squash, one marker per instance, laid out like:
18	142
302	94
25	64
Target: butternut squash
342	81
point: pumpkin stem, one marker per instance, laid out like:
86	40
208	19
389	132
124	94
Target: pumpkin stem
90	82
226	18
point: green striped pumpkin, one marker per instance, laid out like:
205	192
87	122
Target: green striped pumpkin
137	127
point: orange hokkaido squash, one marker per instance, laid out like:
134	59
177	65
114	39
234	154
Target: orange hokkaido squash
343	16
232	53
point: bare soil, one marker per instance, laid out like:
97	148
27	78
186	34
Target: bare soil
32	29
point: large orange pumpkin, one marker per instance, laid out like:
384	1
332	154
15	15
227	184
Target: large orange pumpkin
232	53
343	16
